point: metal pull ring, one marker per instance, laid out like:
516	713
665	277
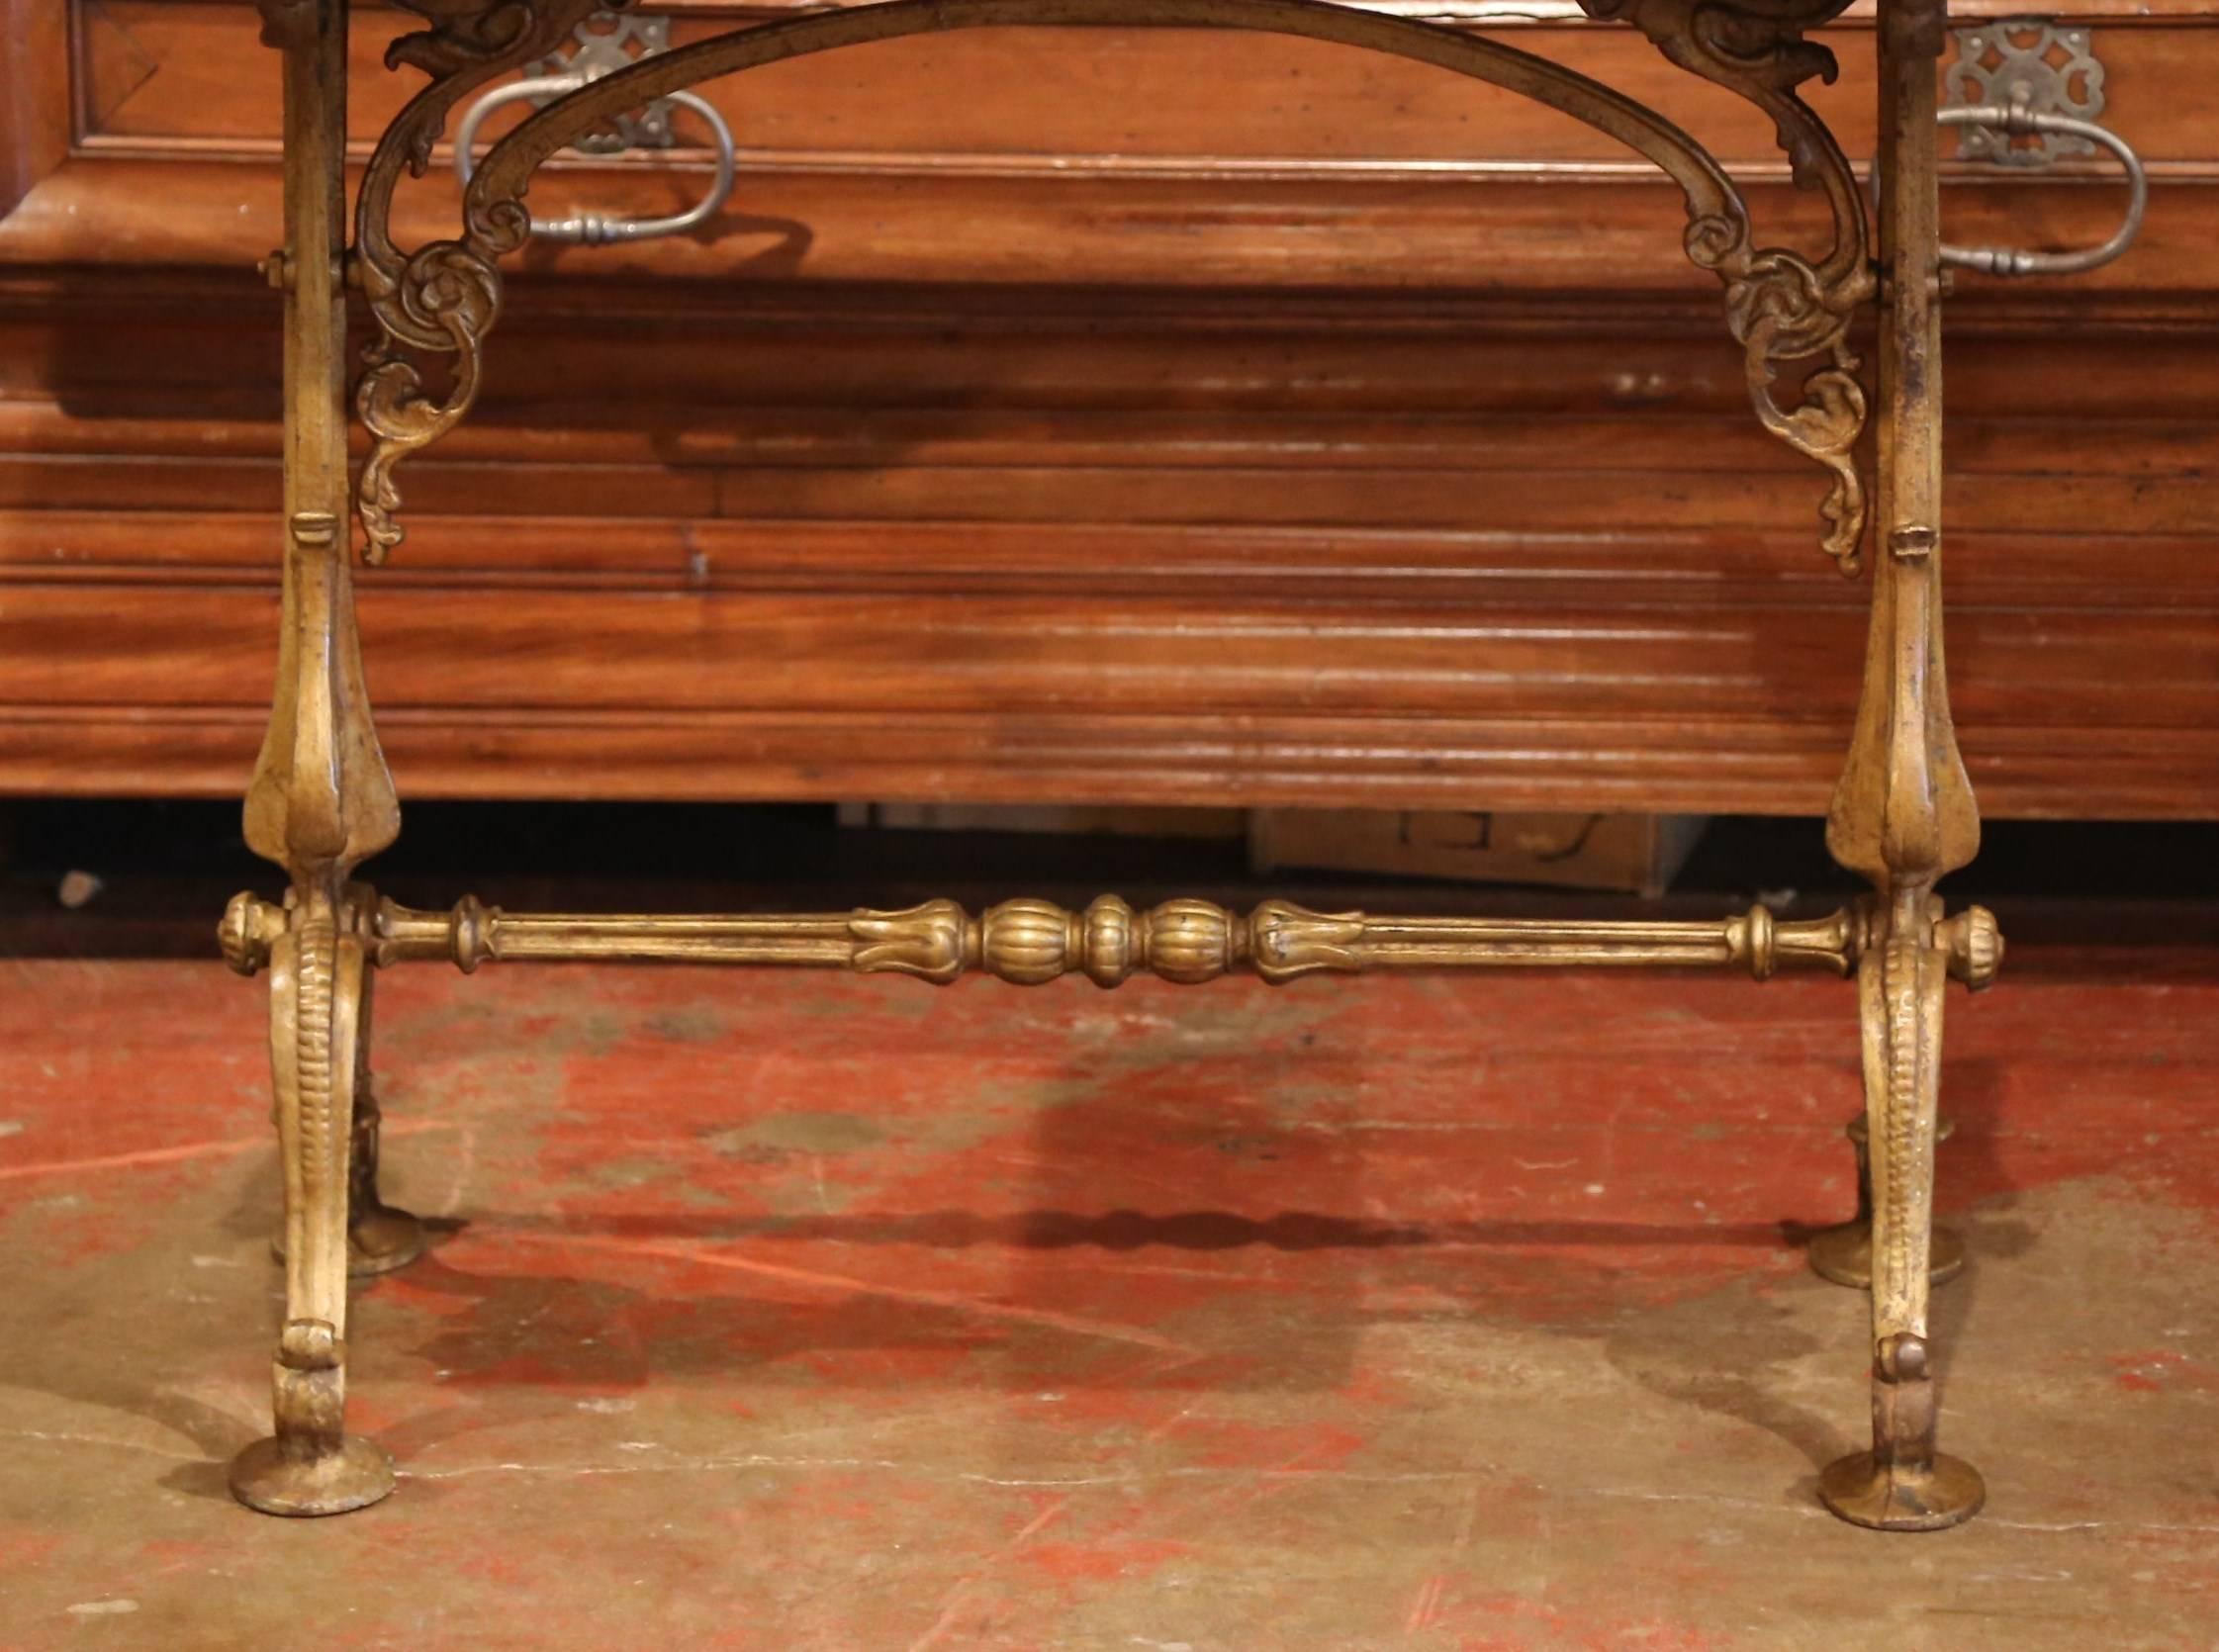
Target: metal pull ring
594	230
2019	122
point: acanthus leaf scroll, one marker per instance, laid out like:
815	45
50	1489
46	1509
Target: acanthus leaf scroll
443	299
1781	306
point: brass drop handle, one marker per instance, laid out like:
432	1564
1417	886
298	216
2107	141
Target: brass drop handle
592	229
2019	121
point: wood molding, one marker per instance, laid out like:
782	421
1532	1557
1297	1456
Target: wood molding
1602	764
1013	481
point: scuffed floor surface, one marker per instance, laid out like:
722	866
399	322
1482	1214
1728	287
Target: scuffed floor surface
790	1311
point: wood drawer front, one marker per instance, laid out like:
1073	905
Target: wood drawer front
1160	156
1334	434
187	75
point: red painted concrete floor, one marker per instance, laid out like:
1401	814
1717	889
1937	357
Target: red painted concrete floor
785	1311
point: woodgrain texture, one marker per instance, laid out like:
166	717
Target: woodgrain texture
1020	446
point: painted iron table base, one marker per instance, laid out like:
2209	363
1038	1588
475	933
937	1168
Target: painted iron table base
322	803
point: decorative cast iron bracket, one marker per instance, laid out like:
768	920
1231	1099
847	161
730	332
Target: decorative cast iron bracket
1782	307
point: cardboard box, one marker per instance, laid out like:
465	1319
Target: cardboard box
1106	820
1633	851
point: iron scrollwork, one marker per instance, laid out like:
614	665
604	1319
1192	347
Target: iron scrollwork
1782	307
445	298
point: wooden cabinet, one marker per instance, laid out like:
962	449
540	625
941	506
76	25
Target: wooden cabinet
1073	416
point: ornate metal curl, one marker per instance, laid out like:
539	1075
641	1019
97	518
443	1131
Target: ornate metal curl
445	287
469	42
443	298
1780	306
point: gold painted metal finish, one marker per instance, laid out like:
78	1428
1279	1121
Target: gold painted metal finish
1843	1254
1903	816
1030	941
321	801
380	1238
311	1466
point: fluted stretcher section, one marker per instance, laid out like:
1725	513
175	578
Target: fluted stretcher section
1030	941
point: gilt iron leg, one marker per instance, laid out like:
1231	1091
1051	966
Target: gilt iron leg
380	1238
1902	1484
1903	817
1843	1254
321	802
310	1465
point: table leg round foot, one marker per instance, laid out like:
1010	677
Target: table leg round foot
385	1240
1844	1256
276	1480
1894	1498
389	1239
